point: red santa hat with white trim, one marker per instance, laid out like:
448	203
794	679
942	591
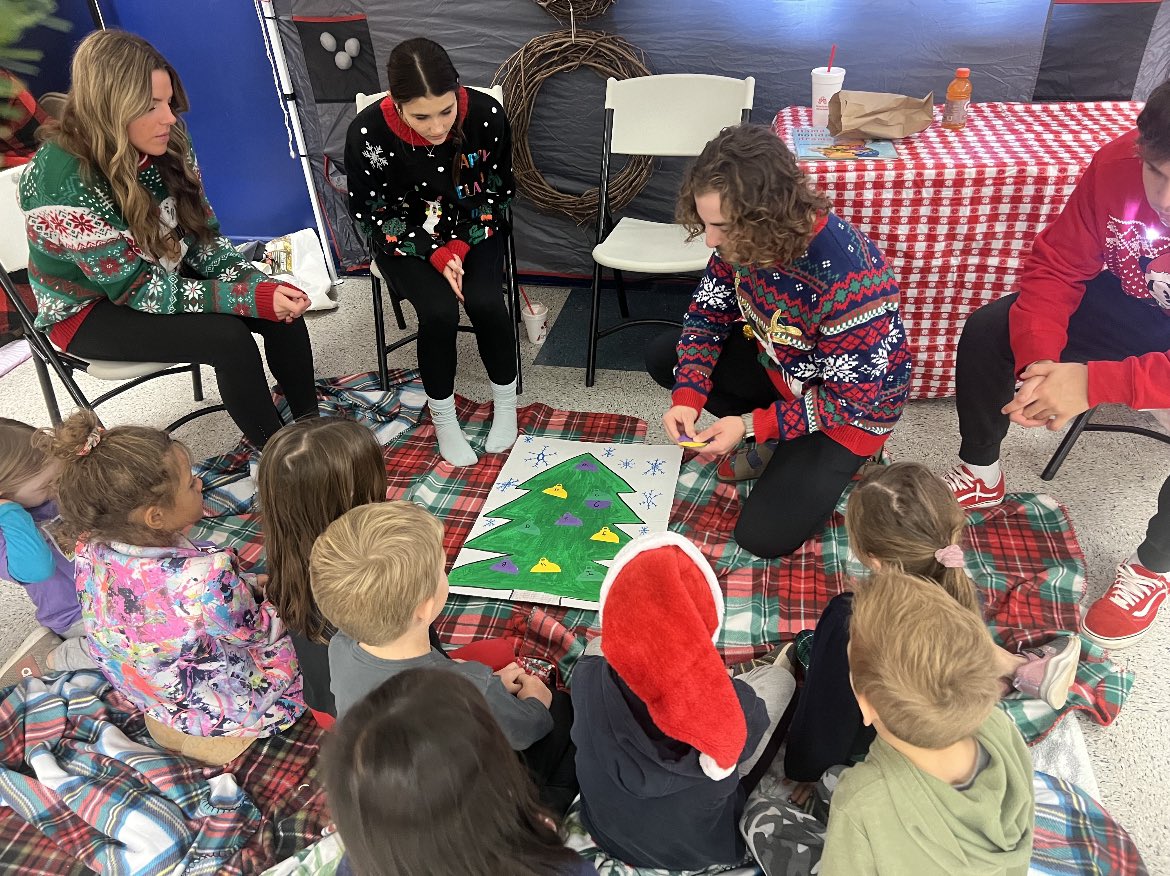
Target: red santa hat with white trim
661	613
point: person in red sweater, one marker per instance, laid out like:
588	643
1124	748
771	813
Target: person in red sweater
1090	325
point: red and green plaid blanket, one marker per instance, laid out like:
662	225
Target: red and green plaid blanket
83	802
1023	554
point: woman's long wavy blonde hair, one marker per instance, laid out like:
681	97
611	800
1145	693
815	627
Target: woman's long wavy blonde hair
768	207
111	87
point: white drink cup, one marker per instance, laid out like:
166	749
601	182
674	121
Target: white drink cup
535	321
825	84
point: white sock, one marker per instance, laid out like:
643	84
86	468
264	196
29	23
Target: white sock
989	474
1134	558
503	432
453	445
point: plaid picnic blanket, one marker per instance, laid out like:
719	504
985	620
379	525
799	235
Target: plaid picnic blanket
1023	554
1075	835
89	791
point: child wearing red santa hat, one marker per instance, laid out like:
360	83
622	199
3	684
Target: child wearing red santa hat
664	736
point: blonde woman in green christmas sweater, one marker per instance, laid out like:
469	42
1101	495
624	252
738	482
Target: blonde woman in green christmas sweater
125	254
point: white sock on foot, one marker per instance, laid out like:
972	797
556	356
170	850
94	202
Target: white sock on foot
453	445
503	432
989	474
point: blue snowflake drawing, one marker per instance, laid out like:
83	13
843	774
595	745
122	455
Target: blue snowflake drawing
654	467
649	499
541	458
491	522
608	452
645	530
626	463
504	486
527	439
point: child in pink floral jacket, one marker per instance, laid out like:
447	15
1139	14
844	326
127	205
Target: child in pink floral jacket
175	627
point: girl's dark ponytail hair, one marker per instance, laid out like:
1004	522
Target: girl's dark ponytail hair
420	67
408	799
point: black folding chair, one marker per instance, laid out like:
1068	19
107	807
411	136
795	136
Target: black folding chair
1082	424
14	257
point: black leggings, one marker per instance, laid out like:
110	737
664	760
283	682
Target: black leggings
438	314
552	761
1107	326
221	340
827	728
806	476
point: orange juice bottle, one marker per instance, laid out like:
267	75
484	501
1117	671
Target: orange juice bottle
958	96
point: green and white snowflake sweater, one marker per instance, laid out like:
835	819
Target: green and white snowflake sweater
81	251
402	191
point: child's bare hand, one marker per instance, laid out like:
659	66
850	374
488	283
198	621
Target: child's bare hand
510	676
801	793
533	687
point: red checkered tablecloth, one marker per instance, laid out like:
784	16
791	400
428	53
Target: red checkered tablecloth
956	214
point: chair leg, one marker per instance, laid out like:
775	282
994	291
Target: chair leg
514	304
380	334
1066	445
396	303
623	304
594	327
196	382
47	390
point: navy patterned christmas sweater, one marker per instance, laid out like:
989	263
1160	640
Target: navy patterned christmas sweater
829	332
402	192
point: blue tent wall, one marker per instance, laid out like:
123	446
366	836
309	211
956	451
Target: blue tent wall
57	46
257	190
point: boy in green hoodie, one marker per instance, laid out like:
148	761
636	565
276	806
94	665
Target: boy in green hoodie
947	785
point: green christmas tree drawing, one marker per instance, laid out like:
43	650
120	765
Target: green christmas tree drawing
557	531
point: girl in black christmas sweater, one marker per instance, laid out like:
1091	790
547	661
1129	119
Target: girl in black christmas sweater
429	171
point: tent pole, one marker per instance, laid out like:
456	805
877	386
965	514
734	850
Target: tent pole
95	13
288	96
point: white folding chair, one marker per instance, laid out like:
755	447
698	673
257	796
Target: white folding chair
669	115
14	257
511	278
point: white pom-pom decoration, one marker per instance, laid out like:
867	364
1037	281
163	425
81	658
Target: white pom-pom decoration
328	41
352	47
343	61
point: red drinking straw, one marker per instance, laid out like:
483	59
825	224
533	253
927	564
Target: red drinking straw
832	54
526	301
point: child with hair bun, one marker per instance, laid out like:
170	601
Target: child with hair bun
32	559
902	517
175	627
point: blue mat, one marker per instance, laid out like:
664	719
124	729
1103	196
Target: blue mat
623	351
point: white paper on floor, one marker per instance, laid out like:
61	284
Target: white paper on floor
558	513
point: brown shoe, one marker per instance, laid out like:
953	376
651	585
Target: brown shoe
747	464
31	658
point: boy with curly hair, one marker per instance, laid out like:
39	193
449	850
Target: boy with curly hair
793	335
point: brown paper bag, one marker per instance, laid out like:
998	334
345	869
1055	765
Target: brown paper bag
877	115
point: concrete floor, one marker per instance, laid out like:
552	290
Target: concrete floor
1109	486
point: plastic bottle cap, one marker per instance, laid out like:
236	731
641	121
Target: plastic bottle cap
963	72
